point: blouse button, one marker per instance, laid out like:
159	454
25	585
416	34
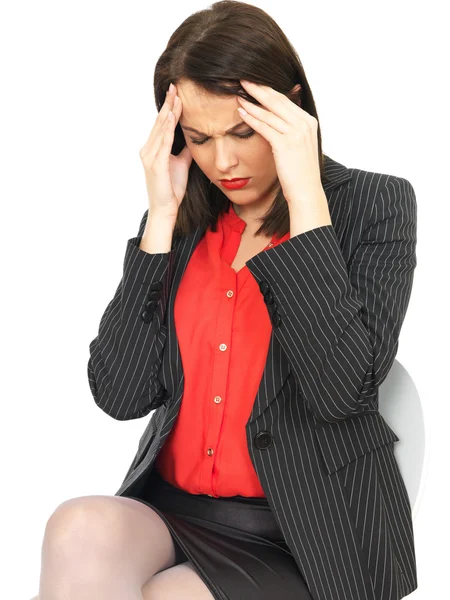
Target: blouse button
217	399
230	293
223	347
210	451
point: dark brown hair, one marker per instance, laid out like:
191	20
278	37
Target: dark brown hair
215	48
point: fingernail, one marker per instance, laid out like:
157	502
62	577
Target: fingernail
171	86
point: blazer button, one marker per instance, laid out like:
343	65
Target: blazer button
156	286
263	439
276	319
271	309
151	306
263	286
146	316
155	295
268	297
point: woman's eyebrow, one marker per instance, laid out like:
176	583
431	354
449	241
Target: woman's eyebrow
201	132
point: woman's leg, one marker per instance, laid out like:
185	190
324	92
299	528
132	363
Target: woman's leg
180	582
103	548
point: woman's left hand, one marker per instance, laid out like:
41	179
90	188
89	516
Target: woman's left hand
292	133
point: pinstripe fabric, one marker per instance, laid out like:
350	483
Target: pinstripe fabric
323	453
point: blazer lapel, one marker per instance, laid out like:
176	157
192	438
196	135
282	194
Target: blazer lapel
277	367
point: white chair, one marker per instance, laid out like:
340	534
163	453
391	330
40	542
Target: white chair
400	406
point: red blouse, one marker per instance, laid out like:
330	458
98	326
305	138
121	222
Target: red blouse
223	330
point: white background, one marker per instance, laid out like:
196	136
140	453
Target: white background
77	105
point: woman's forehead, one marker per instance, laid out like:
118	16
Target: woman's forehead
209	115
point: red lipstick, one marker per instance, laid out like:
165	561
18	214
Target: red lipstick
234	184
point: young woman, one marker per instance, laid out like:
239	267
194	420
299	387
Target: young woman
259	310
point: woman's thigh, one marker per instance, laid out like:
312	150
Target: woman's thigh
126	533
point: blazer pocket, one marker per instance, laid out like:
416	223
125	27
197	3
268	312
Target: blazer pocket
341	442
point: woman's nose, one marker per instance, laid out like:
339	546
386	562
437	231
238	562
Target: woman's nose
225	160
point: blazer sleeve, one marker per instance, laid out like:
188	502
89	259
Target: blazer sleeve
340	323
126	354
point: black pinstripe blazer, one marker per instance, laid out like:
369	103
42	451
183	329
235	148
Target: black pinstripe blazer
337	297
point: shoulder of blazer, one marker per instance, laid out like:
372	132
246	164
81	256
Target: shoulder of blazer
373	197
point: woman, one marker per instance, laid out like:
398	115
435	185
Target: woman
258	319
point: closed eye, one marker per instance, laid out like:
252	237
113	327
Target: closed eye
243	136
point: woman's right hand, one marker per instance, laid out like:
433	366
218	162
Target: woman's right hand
166	175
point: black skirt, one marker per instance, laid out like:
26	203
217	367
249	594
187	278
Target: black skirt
234	544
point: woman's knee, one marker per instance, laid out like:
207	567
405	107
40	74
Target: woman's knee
79	525
109	530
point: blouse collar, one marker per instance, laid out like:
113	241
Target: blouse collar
237	224
233	219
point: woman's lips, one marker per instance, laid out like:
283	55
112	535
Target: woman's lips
234	184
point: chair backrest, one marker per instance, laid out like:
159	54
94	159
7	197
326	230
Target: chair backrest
400	406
